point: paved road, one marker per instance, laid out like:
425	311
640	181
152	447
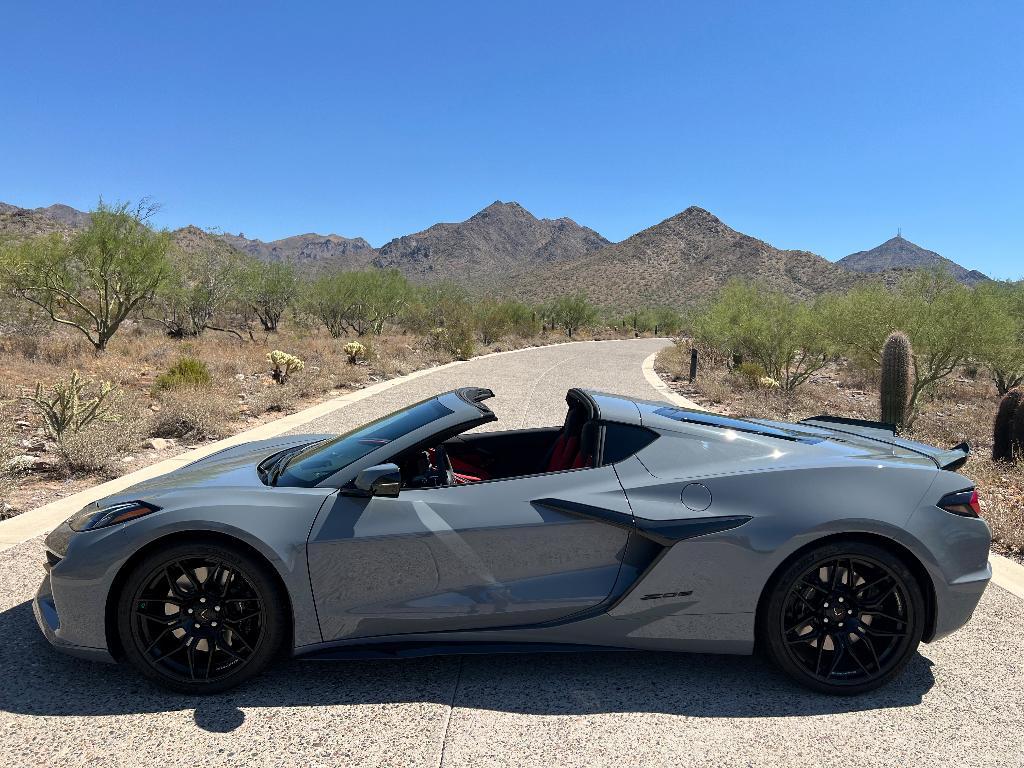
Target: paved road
960	703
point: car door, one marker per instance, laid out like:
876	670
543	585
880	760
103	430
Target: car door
508	552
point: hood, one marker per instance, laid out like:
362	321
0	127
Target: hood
233	467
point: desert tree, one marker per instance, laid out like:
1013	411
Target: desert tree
360	302
665	321
938	315
269	288
496	318
1001	344
94	279
206	277
570	313
786	337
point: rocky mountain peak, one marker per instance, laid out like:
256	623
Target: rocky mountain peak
899	253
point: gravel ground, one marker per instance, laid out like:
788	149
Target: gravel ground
961	702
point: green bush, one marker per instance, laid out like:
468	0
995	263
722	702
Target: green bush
360	302
187	372
788	339
456	340
571	313
944	321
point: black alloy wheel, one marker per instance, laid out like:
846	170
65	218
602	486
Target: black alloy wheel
200	618
844	618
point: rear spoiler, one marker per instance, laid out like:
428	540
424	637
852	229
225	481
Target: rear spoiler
954	458
950	459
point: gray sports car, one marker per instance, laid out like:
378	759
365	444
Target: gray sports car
833	545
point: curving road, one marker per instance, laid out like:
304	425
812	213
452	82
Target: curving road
960	703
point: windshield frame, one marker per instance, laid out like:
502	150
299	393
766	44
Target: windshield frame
433	413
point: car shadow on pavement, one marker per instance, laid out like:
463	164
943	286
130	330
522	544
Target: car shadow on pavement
37	680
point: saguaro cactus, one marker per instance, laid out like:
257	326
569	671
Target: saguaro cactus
1006	440
897	358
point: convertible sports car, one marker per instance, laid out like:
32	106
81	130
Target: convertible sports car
832	544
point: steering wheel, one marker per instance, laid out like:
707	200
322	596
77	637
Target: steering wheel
444	464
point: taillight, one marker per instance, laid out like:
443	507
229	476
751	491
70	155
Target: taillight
963	503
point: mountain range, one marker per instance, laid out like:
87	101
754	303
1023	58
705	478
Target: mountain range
504	249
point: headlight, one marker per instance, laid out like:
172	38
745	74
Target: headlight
91	518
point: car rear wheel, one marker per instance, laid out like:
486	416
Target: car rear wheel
201	618
844	618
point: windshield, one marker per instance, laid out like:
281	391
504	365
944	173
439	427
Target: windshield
321	460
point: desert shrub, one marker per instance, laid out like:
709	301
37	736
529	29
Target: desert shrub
571	313
360	302
1001	346
186	372
455	340
99	448
495	319
192	414
7	454
786	337
751	373
945	324
434	306
713	388
273	400
284	365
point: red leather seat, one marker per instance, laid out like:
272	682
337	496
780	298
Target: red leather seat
567	444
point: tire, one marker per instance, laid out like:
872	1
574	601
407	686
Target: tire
200	617
843	618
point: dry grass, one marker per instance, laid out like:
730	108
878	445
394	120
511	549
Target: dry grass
194	414
7	454
961	408
101	448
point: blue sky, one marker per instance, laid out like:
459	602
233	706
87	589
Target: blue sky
822	126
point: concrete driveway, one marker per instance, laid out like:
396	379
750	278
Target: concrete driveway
961	701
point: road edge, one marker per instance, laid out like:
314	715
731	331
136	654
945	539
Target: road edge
662	387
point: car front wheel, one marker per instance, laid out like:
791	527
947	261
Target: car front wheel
200	617
844	618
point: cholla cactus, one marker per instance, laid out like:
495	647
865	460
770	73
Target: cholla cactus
767	382
355	352
65	409
284	365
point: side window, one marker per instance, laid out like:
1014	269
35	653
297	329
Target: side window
623	440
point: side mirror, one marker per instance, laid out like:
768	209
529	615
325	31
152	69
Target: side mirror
381	480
